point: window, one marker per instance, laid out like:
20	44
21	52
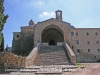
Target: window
72	33
77	42
77	50
89	50
76	34
97	42
98	50
87	34
88	42
94	57
96	33
17	36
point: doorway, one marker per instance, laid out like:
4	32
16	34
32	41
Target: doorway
52	42
52	35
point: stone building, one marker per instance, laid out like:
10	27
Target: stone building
84	42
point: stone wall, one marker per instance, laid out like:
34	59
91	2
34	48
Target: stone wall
26	43
71	54
9	60
32	56
23	44
16	43
83	35
32	35
61	26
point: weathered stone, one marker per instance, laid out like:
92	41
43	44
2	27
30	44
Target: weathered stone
55	30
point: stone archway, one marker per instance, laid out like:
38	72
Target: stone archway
52	35
52	42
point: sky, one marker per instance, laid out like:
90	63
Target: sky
79	13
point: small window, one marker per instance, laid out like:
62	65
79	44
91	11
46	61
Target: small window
17	36
72	33
77	42
94	57
96	33
88	42
89	50
98	50
97	42
87	34
77	50
76	34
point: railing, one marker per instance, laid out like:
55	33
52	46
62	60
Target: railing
32	56
71	54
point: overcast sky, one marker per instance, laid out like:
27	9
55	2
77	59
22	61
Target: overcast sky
80	13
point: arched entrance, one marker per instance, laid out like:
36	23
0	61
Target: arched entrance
52	42
52	35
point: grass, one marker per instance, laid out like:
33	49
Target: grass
79	64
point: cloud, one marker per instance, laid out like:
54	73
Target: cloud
39	3
73	11
47	15
34	3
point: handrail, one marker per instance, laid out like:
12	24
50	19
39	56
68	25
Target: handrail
70	52
32	56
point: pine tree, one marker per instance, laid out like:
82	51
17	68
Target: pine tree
2	43
3	19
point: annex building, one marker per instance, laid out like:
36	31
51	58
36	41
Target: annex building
54	40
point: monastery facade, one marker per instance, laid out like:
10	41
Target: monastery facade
83	42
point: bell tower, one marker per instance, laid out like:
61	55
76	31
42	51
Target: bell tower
31	22
58	15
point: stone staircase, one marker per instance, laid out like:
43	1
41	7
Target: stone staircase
51	55
48	70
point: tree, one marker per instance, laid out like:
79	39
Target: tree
2	43
3	19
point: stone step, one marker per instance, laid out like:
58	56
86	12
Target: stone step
54	63
52	47
60	52
46	70
50	50
51	60
51	55
61	60
48	55
22	73
49	63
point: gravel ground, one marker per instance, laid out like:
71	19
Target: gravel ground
90	69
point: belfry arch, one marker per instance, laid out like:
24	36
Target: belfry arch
51	35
